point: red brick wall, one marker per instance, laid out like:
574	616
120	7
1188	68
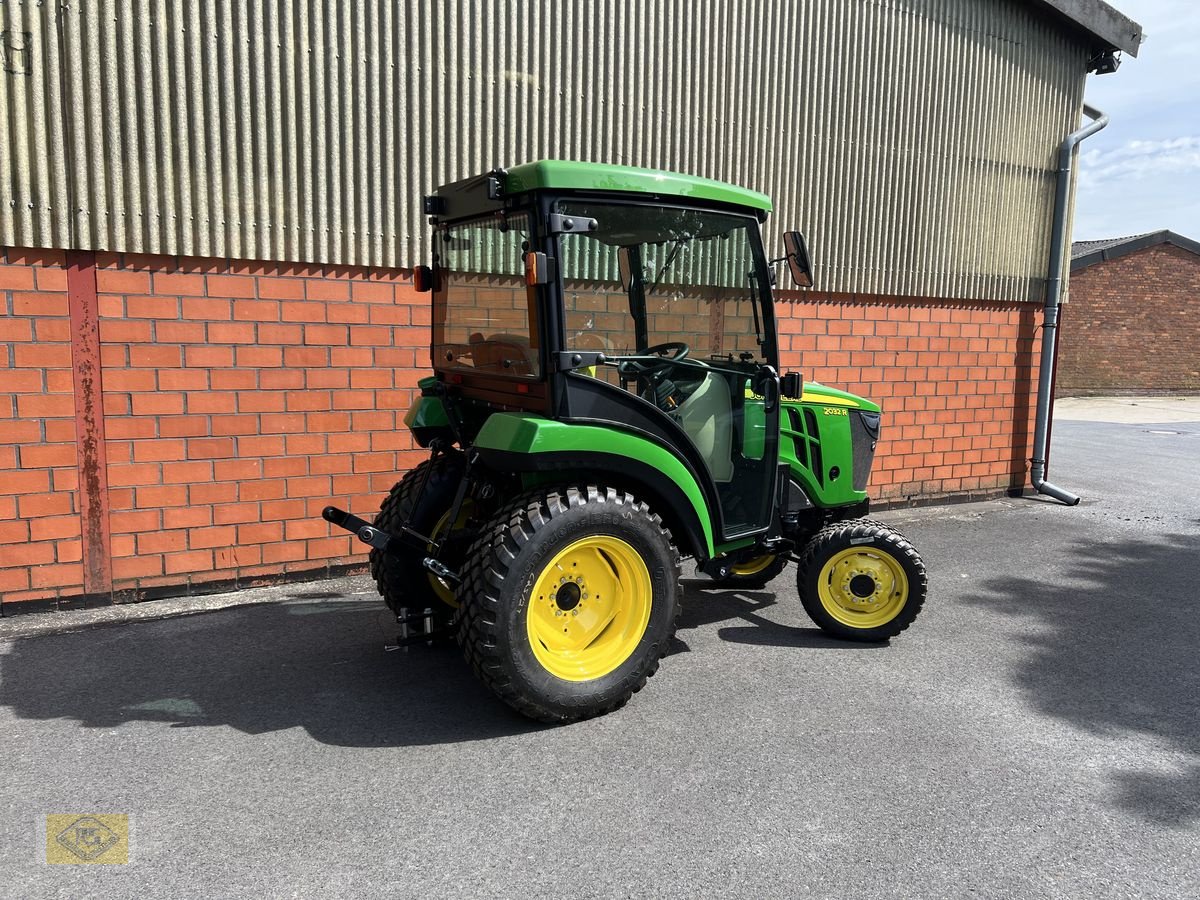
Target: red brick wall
40	548
240	398
955	380
1130	325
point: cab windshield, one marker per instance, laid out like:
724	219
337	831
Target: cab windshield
673	298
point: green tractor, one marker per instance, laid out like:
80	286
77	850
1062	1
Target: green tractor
606	402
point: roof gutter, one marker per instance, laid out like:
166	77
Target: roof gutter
1058	242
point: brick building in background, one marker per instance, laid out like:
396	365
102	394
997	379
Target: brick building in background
207	324
1131	325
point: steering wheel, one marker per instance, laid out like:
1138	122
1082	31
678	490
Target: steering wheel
633	367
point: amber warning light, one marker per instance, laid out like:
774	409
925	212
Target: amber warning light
537	269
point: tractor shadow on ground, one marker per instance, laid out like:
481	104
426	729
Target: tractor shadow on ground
315	662
706	605
1114	649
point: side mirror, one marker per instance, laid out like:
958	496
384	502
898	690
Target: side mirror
422	279
790	386
797	258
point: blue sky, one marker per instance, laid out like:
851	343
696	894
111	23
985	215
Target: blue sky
1142	172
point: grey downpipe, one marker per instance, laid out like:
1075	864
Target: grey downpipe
1058	240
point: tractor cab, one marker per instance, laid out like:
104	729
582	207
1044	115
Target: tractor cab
605	400
629	305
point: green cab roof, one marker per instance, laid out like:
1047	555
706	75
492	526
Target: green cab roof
556	174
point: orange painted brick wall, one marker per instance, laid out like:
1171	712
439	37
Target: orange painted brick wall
40	548
1130	325
240	398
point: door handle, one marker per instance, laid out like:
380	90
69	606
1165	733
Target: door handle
767	387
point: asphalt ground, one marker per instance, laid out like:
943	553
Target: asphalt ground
1036	733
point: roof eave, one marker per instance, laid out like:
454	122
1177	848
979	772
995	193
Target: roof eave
1112	28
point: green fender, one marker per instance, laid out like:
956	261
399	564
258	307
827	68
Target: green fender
426	418
426	412
529	435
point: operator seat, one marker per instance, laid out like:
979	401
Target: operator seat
493	351
707	417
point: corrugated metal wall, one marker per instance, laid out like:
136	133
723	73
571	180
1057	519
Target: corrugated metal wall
911	139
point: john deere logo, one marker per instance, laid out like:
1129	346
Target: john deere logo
74	839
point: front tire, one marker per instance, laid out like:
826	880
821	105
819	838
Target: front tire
569	602
861	580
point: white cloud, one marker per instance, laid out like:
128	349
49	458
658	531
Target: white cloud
1137	160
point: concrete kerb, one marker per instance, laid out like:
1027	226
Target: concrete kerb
1131	410
173	607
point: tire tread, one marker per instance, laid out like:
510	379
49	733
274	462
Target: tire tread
812	558
397	590
490	558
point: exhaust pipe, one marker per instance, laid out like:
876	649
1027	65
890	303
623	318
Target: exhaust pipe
1058	241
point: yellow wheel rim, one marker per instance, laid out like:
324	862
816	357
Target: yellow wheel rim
440	530
753	566
863	587
589	608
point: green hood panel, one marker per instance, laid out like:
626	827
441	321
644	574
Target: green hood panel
816	434
554	174
525	433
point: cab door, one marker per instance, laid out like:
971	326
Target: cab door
687	343
732	419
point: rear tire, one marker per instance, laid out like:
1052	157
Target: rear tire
404	583
569	602
861	580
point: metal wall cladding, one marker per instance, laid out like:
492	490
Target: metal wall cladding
912	140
